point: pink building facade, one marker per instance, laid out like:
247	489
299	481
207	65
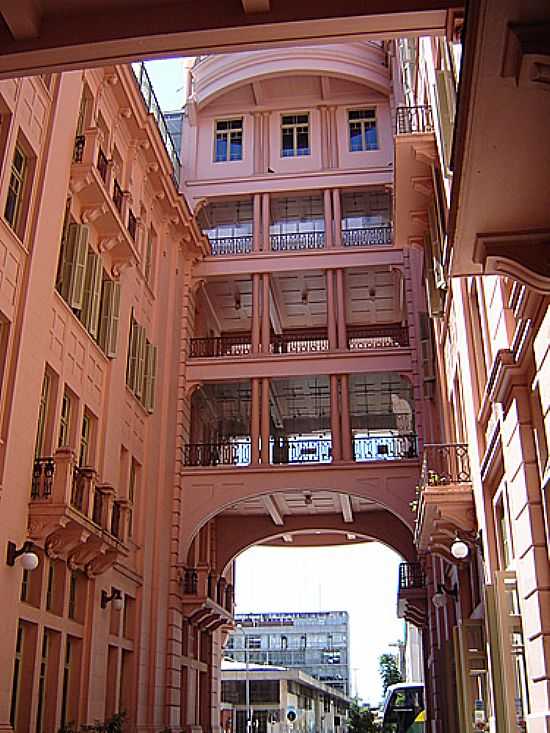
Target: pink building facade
324	340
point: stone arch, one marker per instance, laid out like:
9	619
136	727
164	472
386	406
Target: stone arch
378	525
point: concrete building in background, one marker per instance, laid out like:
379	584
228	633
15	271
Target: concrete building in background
279	700
318	643
357	350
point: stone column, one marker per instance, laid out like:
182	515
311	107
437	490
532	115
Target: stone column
347	443
257	230
266	321
255	312
327	210
337	217
335	419
331	312
265	422
340	296
266	221
255	422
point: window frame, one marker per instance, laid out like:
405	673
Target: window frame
228	134
363	127
21	177
294	127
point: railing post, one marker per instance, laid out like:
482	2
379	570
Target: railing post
65	460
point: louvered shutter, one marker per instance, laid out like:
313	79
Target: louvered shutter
446	97
92	293
150	377
75	295
140	369
110	308
132	355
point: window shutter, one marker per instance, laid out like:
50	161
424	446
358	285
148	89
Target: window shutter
92	293
150	377
445	94
75	295
110	313
140	369
132	355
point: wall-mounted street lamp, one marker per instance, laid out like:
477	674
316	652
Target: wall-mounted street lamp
439	599
115	598
28	558
459	549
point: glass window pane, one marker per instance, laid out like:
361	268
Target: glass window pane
303	141
288	142
236	152
371	139
355	138
221	148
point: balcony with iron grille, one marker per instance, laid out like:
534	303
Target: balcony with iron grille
411	594
445	503
299	427
415	151
207	600
74	516
103	202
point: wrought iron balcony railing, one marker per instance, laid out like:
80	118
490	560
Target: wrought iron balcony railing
42	478
297	241
368	236
411	575
102	165
377	337
212	346
227	453
118	196
220	246
291	450
151	102
444	464
299	342
78	152
385	447
414	120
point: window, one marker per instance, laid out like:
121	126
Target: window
42	416
254	642
85	437
132	495
16	188
42	682
17	665
132	224
229	140
66	681
141	366
295	135
148	264
65	421
362	130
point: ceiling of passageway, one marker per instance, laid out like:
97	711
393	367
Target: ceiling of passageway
373	295
62	34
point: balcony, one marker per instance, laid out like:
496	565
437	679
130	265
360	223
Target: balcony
367	237
74	516
415	151
300	341
296	241
207	602
411	594
445	500
220	246
414	120
103	202
292	450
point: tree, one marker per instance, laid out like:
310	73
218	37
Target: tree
360	719
389	671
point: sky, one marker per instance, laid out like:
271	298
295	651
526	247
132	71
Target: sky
360	579
168	78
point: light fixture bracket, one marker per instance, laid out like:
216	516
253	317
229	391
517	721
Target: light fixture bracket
13	553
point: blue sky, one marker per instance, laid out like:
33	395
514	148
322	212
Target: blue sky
168	79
